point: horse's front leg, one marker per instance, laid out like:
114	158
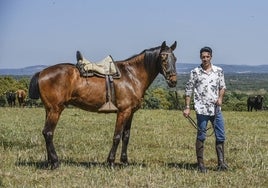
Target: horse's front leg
122	119
125	140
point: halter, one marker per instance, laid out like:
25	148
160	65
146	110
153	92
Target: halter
163	63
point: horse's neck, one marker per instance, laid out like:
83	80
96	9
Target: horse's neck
140	70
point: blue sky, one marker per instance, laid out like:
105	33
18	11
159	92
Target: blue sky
47	32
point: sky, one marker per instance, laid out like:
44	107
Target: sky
47	32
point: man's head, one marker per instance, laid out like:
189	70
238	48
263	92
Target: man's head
206	49
206	55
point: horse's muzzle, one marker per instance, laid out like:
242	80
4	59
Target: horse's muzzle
172	80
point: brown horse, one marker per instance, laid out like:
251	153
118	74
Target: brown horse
21	95
62	84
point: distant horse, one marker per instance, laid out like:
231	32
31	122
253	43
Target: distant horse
62	84
11	98
21	95
255	102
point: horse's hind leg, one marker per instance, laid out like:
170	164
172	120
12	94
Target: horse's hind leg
48	132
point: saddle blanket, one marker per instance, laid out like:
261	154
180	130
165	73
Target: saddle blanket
104	67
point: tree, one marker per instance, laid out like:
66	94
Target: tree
8	83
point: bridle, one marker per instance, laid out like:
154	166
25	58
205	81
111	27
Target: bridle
164	57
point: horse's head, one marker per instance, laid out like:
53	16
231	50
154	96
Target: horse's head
168	63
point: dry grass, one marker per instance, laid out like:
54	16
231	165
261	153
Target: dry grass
161	151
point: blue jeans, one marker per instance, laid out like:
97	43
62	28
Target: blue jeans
217	121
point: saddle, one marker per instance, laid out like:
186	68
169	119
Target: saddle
106	69
103	68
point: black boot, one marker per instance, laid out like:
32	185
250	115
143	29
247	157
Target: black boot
199	146
222	166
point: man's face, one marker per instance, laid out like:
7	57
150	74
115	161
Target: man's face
205	57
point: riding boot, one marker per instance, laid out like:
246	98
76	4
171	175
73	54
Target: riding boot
199	154
220	154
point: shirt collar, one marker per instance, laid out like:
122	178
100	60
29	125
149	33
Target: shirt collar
213	68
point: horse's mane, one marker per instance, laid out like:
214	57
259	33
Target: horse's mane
148	54
67	64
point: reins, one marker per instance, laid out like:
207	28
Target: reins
194	124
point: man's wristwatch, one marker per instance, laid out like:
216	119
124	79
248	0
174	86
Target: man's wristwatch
187	107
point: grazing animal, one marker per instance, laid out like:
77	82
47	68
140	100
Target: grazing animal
62	84
21	95
11	98
255	102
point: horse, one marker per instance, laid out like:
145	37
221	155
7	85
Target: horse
255	102
11	98
62	84
21	95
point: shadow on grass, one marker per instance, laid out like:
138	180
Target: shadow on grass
187	166
100	164
45	164
38	165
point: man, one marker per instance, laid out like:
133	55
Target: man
208	85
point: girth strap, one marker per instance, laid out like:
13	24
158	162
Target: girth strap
109	106
109	85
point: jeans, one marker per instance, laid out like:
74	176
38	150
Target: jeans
217	121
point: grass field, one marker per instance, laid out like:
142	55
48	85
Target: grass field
161	151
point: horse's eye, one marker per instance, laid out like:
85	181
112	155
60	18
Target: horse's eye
164	56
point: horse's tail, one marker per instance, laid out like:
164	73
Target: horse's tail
34	87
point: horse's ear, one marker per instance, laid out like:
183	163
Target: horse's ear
173	46
163	46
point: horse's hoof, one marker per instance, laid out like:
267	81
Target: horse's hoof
124	161
55	165
111	164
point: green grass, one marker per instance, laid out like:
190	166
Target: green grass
161	151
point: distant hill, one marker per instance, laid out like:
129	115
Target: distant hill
186	68
23	71
182	68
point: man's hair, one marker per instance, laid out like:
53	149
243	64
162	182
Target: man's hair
206	49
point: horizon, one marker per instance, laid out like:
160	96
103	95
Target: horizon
184	68
50	32
176	63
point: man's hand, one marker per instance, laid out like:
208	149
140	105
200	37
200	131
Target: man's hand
219	102
186	112
221	94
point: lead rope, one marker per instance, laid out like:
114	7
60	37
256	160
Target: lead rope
192	122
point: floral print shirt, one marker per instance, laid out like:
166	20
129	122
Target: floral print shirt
206	87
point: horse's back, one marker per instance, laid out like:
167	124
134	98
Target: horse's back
58	70
60	76
62	84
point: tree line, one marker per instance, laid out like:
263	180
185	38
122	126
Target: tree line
159	96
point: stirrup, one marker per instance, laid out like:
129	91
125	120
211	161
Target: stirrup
108	107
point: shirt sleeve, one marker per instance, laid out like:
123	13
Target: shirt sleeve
222	81
189	85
